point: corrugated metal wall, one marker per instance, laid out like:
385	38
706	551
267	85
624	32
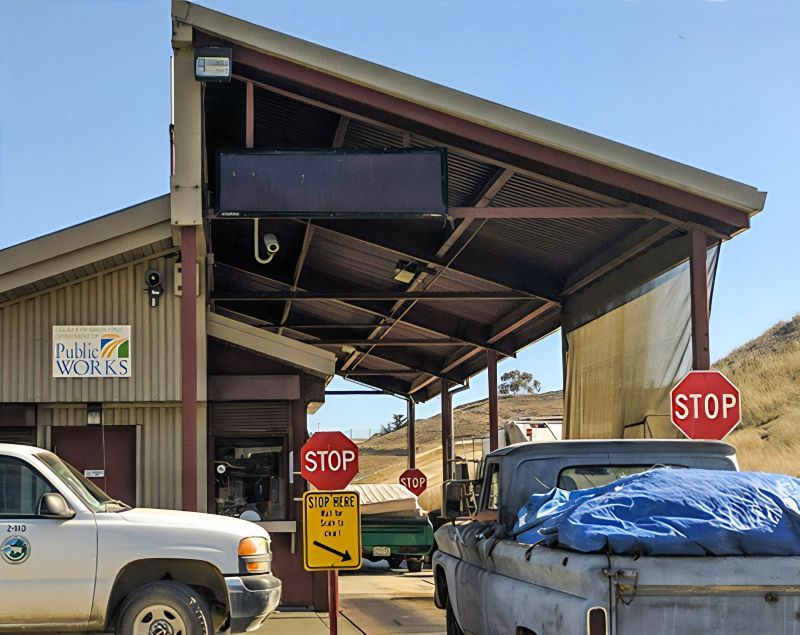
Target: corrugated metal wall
115	297
159	451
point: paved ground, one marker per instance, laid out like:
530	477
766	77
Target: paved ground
373	601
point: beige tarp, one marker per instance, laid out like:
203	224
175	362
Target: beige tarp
620	367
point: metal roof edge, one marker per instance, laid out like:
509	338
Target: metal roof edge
76	237
473	109
305	356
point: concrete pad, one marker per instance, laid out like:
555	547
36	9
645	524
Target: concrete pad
303	623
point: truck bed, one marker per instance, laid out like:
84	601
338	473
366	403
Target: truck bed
669	594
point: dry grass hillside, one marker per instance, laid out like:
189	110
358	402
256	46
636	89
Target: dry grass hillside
767	372
383	458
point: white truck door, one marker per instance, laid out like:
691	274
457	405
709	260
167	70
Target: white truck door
47	565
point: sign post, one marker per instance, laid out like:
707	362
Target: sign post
331	517
705	405
414	481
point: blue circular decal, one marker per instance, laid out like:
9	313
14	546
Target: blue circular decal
15	549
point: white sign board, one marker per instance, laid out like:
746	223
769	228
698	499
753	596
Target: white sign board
92	351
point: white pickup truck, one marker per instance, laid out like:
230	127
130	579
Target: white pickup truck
491	584
73	559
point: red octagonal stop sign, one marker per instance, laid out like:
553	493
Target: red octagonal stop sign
414	480
705	405
329	460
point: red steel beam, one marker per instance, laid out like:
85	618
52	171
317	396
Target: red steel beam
547	212
491	367
249	117
447	427
189	369
698	278
411	425
413	114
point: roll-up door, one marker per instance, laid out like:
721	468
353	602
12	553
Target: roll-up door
18	435
249	418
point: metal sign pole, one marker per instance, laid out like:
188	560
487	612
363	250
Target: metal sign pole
333	601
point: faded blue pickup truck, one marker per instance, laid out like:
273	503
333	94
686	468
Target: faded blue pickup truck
491	584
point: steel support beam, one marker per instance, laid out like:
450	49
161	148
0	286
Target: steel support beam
548	212
698	277
447	431
491	367
375	296
189	369
298	270
249	117
616	254
411	425
389	343
341	131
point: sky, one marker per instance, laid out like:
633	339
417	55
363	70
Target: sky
84	114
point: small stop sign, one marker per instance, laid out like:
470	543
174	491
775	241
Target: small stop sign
414	480
705	405
329	460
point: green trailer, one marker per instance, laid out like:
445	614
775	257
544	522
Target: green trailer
397	539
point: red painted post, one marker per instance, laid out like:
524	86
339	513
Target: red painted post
412	434
698	278
249	116
333	601
447	427
491	367
188	368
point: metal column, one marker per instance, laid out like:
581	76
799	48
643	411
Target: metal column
447	429
698	277
491	367
188	368
411	425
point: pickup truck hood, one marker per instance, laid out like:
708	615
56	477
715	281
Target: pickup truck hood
195	521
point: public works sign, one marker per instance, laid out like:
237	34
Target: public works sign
92	351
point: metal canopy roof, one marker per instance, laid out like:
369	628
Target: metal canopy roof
538	213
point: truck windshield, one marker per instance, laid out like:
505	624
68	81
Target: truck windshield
586	476
95	498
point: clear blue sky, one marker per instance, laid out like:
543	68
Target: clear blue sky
84	109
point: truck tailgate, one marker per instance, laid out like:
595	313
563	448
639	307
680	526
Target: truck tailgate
687	595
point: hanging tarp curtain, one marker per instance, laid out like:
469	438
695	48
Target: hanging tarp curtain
621	365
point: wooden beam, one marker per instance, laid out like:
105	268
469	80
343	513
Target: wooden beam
624	213
616	254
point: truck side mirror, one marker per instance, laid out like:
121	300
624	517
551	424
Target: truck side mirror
53	505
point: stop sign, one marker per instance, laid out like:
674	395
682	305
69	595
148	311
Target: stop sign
329	460
414	480
705	405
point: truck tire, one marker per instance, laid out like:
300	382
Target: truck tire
394	561
164	608
450	617
414	566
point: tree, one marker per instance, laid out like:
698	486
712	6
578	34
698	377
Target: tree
515	381
397	422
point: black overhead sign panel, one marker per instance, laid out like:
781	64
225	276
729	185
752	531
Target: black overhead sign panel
332	183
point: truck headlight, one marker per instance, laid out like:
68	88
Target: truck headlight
254	555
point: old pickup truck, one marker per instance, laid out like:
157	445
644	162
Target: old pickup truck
74	559
489	583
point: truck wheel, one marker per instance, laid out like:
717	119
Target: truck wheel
164	608
394	562
452	623
414	566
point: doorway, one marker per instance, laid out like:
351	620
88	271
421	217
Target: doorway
113	467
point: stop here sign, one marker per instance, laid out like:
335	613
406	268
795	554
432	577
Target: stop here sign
705	405
329	460
414	480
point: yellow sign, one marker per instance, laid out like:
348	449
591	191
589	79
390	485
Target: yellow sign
331	531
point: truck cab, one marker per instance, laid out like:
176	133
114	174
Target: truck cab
74	559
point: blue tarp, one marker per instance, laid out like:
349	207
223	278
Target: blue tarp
671	512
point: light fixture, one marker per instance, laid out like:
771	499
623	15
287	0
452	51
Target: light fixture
213	64
152	278
94	414
406	270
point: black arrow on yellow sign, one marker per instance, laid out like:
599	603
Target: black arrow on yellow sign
344	556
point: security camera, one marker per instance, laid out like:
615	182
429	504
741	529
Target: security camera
152	278
271	243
